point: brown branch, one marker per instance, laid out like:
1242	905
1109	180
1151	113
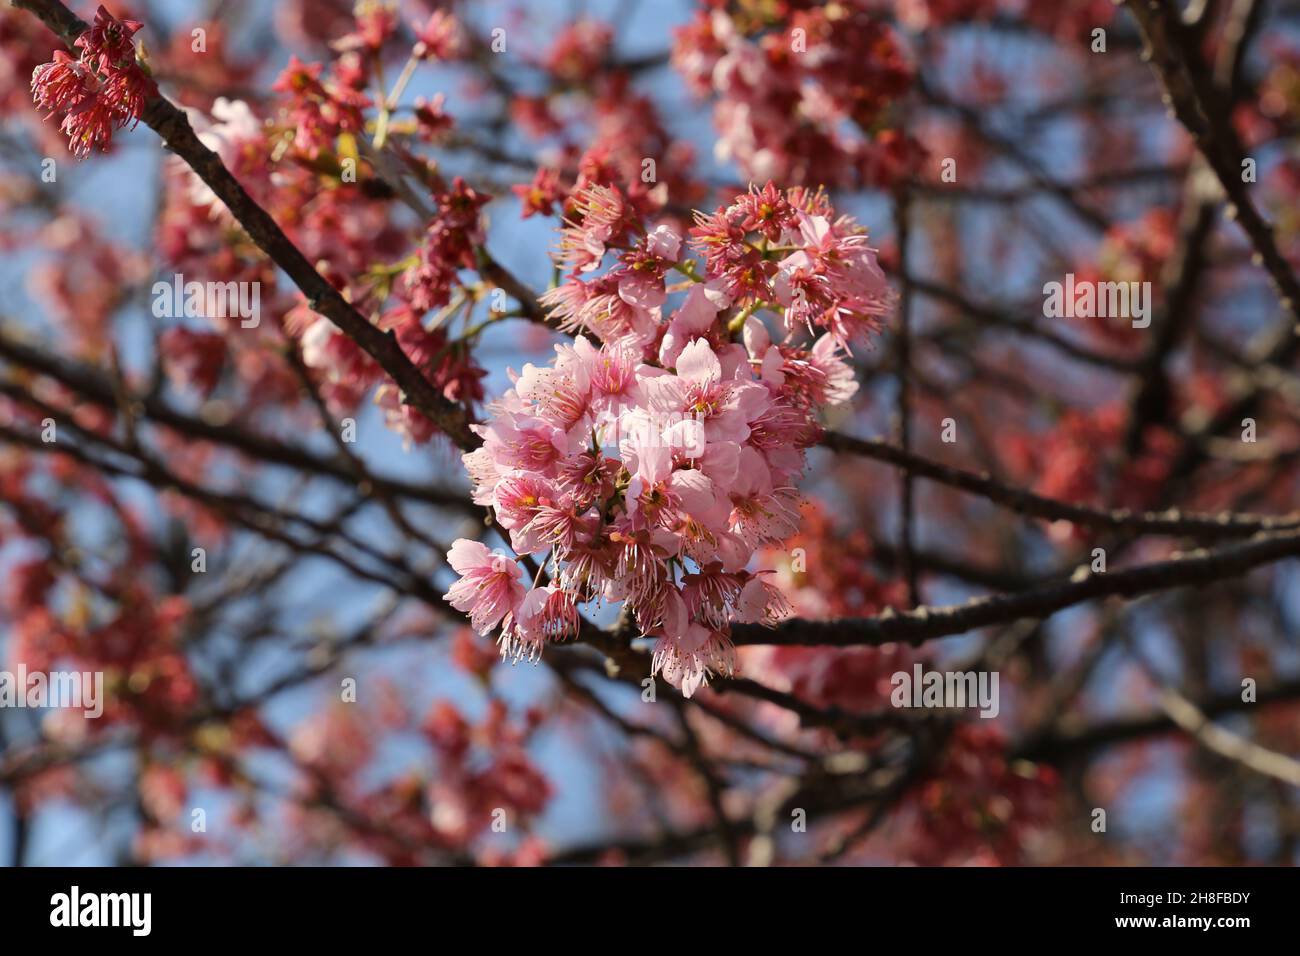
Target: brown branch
1072	739
1192	720
172	125
89	385
1189	85
1023	501
241	510
993	317
924	623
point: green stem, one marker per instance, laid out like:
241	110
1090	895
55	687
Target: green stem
687	268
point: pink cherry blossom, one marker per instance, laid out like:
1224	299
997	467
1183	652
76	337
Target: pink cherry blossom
488	589
439	38
647	470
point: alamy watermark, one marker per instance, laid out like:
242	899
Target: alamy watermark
1085	299
209	300
78	690
680	432
133	911
949	689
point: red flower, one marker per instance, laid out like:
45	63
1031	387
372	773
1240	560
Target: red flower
439	38
59	85
541	195
104	90
89	125
107	45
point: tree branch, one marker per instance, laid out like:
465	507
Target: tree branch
172	125
1023	501
924	623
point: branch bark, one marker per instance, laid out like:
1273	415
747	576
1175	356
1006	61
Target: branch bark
924	623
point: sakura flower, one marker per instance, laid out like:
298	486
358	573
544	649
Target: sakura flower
833	281
541	195
536	513
89	125
762	602
710	593
439	38
642	290
598	307
687	658
648	468
546	614
108	42
664	242
559	395
600	217
726	406
832	382
488	589
613	371
760	513
766	211
695	317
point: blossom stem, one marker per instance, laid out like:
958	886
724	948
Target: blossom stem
687	268
389	103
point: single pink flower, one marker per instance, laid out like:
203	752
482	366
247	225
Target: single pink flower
545	615
686	659
762	602
664	242
488	589
697	315
439	38
726	406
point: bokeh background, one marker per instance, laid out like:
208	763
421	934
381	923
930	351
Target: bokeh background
1066	160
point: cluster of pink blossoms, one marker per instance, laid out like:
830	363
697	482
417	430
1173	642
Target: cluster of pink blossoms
782	251
105	89
800	93
818	268
649	469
